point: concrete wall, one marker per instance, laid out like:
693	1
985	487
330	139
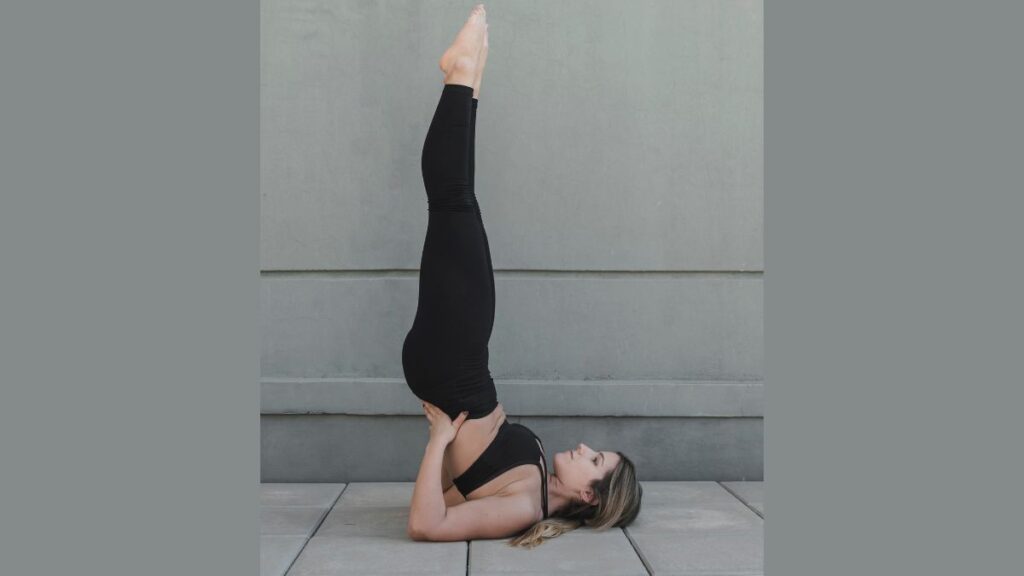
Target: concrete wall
619	169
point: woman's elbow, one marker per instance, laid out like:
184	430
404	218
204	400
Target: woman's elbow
417	534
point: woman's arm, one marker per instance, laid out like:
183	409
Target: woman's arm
486	518
428	508
446	476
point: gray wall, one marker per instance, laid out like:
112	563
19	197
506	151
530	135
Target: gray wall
619	170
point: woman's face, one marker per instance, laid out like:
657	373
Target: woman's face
578	467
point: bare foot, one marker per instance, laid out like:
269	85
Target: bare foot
480	63
459	61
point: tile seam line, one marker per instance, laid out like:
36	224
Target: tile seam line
737	496
639	553
315	528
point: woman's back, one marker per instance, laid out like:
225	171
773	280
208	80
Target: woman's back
491	456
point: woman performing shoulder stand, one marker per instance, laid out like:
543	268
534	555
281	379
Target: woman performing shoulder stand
476	480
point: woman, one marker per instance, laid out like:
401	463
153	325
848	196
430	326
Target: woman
477	478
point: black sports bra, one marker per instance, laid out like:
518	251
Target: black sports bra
514	445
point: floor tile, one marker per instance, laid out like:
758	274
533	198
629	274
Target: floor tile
277	553
750	492
289	520
677	493
313	494
374	556
696	517
581	551
703	553
691	506
684	529
371	509
697	528
377	494
381	521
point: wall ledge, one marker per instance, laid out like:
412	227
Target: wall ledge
637	398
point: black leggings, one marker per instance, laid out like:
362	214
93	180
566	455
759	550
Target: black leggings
445	354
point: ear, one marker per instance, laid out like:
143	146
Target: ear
587	496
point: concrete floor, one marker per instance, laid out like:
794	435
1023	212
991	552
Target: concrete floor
684	528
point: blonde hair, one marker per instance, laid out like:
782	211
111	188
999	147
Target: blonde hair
618	503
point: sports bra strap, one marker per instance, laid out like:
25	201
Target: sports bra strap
543	476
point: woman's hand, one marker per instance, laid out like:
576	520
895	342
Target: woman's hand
442	428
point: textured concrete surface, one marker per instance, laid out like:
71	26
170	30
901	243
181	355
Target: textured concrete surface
289	514
582	551
373	556
546	326
752	493
684	528
697	528
378	509
390	396
603	158
623	196
314	495
329	448
278	552
365	534
622	192
290	520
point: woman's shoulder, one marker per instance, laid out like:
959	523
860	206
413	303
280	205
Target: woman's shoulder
520	494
